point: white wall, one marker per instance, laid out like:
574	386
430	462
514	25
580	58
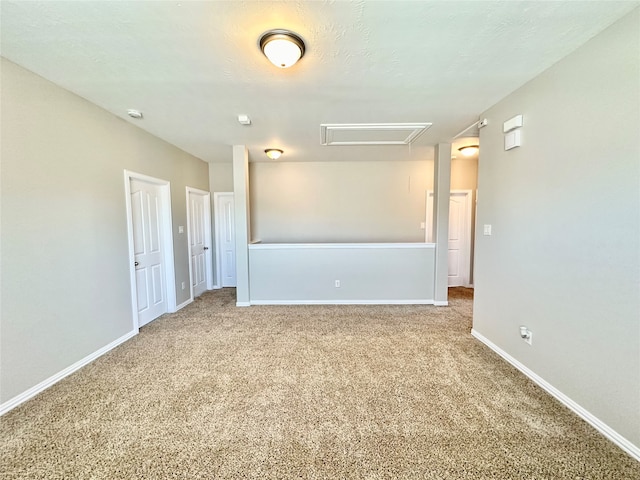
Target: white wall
564	257
356	201
65	261
242	222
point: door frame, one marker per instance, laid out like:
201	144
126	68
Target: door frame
167	241
207	237
428	234
216	203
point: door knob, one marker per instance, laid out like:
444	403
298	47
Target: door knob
206	248
135	264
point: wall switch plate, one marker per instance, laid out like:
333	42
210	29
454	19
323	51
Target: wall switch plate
184	285
487	230
512	139
529	339
180	229
422	226
526	334
337	283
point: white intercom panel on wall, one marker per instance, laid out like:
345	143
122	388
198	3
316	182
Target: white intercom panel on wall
512	132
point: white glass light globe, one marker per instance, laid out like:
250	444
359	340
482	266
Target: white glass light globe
469	151
282	53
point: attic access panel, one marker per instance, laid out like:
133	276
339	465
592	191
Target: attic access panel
371	133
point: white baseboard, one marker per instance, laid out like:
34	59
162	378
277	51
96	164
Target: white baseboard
443	303
33	391
342	302
591	419
243	304
184	304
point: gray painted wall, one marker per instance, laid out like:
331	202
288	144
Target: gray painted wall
368	273
564	257
221	176
356	201
65	272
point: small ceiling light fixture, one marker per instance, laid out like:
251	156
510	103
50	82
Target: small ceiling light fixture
282	47
273	153
469	150
137	114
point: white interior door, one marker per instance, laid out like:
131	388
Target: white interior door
146	216
459	238
199	233
226	239
459	257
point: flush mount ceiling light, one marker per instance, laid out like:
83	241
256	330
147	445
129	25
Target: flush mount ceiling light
469	150
273	153
282	47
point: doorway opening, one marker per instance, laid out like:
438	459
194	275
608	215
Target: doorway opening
460	235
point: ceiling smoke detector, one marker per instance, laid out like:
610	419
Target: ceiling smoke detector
137	114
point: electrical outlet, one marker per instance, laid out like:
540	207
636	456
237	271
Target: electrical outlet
337	283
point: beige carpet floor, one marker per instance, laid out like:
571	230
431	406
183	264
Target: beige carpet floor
326	392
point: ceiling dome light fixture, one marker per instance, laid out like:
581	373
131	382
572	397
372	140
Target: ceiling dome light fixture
469	150
273	153
282	47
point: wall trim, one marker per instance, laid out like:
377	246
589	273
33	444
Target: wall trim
288	246
342	302
40	387
183	304
591	419
441	303
243	304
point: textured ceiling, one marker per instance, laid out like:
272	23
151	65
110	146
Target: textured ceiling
192	67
